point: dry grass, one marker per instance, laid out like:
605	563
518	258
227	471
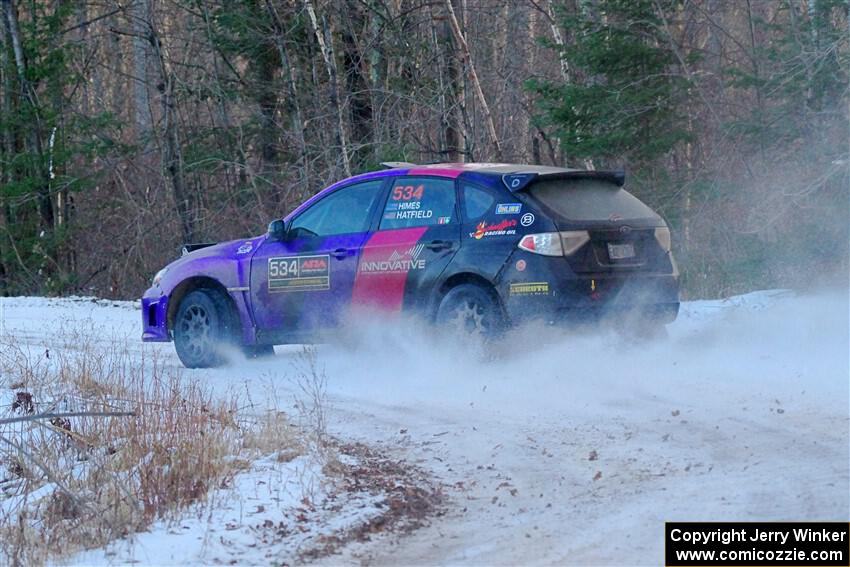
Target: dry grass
75	483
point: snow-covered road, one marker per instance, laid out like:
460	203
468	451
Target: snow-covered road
569	448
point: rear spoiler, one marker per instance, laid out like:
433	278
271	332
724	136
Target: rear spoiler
519	181
186	248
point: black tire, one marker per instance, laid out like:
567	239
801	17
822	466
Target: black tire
258	351
469	309
202	326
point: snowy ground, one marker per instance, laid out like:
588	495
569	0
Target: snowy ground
556	447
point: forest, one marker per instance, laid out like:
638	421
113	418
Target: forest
128	128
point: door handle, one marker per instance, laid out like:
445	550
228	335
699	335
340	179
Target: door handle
438	245
341	253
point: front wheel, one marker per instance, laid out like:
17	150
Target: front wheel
469	309
201	328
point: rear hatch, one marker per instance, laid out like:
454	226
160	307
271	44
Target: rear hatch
622	229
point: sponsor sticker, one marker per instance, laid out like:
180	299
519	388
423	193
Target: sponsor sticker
408	192
245	248
527	219
508	208
444	220
397	262
501	228
530	288
299	273
414	214
520	265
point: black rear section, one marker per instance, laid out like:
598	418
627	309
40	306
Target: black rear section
622	229
600	254
624	269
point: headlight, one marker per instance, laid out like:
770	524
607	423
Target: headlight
159	275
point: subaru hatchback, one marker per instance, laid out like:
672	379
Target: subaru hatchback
475	246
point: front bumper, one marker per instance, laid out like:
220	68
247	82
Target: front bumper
154	316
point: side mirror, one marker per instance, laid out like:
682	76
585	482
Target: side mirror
277	230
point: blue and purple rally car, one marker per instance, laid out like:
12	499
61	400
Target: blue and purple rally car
479	246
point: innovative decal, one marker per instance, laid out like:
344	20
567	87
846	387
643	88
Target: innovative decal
384	290
299	273
403	261
508	208
501	228
530	288
527	219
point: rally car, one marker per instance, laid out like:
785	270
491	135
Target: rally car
477	246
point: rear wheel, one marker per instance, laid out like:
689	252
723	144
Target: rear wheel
201	328
469	309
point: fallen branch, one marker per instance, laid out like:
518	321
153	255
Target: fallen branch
34	417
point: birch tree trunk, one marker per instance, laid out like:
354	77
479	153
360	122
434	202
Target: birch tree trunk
476	84
330	65
141	14
33	136
172	155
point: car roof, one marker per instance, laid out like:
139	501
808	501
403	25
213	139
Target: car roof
451	170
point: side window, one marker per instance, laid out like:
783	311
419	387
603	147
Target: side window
476	201
419	201
344	211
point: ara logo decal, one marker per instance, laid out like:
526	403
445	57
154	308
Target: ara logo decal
397	261
502	228
299	273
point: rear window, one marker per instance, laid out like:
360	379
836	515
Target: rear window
589	200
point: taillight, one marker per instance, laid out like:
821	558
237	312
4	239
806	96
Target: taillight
573	240
554	243
545	243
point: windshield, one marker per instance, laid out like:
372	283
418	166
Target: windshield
589	200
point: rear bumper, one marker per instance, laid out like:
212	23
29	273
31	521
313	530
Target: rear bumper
154	317
563	295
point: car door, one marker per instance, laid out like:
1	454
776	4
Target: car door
302	284
418	235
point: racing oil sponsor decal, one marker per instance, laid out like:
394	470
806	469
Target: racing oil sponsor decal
398	261
299	273
530	288
527	219
501	228
508	208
